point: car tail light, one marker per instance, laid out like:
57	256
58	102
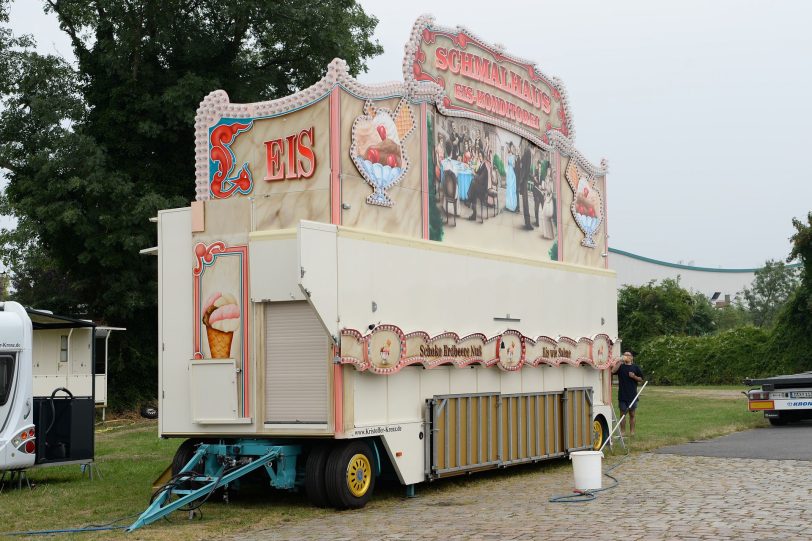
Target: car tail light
761	405
758	395
24	441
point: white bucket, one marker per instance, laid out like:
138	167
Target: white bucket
586	465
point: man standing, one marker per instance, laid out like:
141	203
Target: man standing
628	376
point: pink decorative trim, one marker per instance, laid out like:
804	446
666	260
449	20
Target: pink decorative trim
217	106
425	31
335	156
605	219
338	396
493	354
558	204
424	151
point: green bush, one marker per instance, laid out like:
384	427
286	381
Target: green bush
724	358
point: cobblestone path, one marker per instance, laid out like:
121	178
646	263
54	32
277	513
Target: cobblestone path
659	497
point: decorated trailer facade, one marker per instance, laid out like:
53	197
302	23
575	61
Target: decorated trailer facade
408	278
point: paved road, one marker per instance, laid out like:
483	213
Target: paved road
790	442
661	496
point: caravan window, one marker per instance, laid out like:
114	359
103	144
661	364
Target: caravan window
6	377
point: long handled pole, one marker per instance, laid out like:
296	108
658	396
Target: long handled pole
619	421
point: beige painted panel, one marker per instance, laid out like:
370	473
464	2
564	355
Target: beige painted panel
225	219
405	217
249	147
284	211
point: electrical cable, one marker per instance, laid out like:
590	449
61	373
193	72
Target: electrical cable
107	526
174	482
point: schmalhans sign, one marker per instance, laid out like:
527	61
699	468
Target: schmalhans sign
480	80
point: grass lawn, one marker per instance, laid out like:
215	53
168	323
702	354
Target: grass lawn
130	456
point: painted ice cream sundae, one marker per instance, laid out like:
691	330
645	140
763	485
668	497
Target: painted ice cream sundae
377	148
586	206
221	317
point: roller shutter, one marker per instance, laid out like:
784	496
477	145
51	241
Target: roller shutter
296	365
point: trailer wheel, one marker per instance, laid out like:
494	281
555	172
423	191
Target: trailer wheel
600	432
184	454
778	421
350	476
315	480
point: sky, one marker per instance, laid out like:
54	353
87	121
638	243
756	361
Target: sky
702	108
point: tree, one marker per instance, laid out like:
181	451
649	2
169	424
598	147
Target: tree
791	340
651	310
92	152
772	286
732	316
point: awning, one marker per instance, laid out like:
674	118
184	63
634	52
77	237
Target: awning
44	319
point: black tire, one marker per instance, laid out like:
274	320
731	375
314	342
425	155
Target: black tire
184	454
345	490
315	480
149	412
778	421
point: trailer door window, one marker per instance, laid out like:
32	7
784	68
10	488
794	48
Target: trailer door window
6	377
63	348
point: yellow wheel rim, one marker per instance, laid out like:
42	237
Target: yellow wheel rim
597	434
359	475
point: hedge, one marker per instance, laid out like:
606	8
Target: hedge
724	358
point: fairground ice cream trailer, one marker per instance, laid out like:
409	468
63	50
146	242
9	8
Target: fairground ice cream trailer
406	280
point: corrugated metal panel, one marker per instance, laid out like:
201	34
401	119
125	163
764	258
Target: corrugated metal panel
478	431
296	364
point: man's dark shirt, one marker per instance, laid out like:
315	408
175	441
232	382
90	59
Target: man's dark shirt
627	387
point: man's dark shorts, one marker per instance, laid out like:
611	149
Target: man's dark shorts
624	406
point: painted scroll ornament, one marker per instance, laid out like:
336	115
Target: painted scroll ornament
586	207
377	148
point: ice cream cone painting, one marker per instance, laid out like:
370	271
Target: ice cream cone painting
377	147
221	317
587	208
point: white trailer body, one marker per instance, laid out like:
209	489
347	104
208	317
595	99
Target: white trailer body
47	404
383	268
16	396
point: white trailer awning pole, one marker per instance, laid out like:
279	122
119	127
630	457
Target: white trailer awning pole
617	424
